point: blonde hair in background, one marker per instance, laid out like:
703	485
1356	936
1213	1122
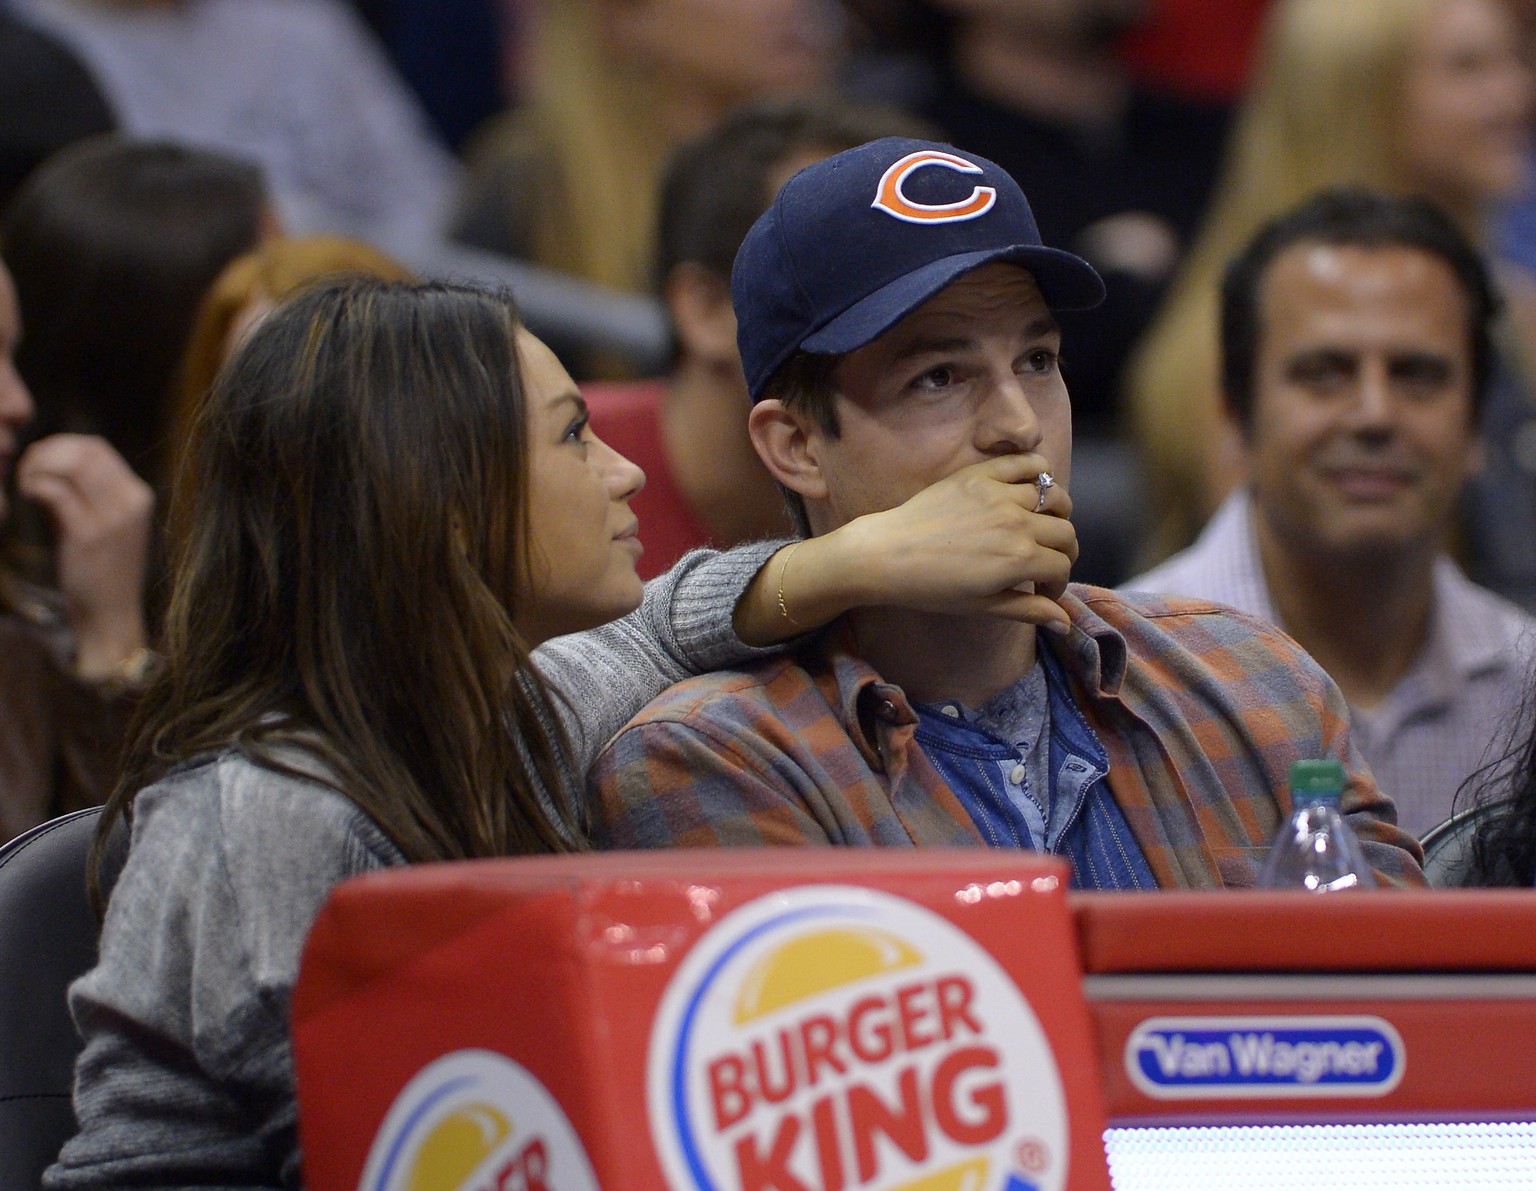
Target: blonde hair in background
596	119
1322	110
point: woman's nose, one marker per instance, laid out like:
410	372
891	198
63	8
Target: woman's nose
624	478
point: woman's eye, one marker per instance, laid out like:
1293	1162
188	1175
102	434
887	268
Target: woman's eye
577	430
1042	360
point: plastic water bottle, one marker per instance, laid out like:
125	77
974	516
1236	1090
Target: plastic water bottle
1316	848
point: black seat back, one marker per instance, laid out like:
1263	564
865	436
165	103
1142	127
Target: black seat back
1449	862
48	936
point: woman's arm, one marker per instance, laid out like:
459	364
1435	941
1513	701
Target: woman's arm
603	676
970	543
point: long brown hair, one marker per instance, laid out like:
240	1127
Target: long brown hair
348	531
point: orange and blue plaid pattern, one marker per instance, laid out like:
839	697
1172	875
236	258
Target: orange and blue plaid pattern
1201	710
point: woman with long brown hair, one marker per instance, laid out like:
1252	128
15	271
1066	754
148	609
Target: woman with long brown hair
73	651
389	499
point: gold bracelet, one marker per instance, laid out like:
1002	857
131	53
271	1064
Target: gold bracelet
783	567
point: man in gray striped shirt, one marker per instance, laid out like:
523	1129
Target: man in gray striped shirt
1356	354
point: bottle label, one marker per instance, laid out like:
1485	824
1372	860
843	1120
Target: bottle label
1219	1058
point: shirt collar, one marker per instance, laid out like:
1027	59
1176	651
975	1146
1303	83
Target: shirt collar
1094	652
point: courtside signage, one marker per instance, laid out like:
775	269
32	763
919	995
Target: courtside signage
474	1120
1220	1058
826	1038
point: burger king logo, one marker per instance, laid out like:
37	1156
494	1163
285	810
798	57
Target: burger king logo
828	1038
474	1120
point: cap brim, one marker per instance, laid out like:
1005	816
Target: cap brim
1066	282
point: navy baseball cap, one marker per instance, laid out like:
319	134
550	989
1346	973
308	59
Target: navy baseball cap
856	242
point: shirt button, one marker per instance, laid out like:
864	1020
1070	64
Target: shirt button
951	711
1017	776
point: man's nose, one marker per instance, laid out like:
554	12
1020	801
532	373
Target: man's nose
1373	407
1009	424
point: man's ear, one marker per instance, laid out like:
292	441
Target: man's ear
789	445
1477	453
699	302
1233	450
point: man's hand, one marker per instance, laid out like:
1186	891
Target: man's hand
101	513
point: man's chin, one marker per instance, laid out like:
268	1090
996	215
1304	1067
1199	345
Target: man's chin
1366	545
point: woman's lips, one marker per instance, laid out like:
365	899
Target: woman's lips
631	537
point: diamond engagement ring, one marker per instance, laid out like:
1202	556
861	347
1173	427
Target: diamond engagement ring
1044	482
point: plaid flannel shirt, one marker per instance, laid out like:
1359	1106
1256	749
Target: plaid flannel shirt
1201	710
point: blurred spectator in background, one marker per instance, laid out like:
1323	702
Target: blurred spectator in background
247	290
299	86
112	244
1115	172
569	178
1426	97
1355	339
1201	49
47	100
72	659
450	53
688	431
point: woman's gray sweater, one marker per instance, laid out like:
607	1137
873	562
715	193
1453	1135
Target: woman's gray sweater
186	1079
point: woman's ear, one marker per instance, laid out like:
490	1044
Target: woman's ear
699	303
789	444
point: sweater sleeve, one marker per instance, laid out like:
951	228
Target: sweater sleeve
602	677
186	1076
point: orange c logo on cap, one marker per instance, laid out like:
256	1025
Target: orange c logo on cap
891	200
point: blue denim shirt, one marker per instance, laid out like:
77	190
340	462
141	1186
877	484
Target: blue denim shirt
1077	817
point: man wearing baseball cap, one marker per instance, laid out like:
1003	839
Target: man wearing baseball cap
895	323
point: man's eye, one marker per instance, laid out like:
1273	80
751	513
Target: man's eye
1320	372
936	378
1042	360
1423	374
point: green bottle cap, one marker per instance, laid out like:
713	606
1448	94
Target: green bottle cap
1316	781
